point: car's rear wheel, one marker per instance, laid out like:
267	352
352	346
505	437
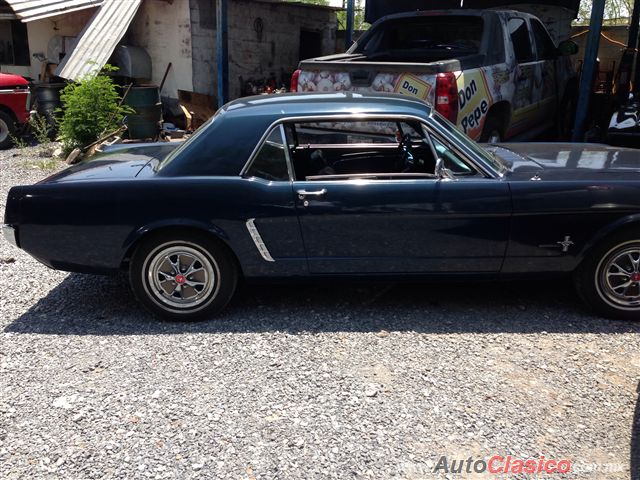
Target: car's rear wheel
609	279
7	129
183	277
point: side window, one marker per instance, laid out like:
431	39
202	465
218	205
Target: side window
451	159
544	45
346	133
271	161
521	40
344	149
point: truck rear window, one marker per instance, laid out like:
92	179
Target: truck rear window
458	34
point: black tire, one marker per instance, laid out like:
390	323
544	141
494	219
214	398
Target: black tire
7	130
600	278
174	294
493	131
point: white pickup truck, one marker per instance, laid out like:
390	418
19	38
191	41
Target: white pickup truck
496	74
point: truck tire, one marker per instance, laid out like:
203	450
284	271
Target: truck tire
7	129
492	132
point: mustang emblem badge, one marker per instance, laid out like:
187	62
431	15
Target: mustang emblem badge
564	244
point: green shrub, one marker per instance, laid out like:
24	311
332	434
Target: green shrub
91	109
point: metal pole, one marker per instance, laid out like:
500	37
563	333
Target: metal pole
222	51
588	69
635	30
628	56
348	36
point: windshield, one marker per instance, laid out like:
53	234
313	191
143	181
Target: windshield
173	155
488	156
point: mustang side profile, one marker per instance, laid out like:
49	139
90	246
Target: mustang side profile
337	185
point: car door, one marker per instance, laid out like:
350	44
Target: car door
524	103
547	90
368	222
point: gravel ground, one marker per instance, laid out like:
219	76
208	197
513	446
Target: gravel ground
306	382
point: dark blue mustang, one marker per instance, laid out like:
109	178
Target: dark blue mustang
325	185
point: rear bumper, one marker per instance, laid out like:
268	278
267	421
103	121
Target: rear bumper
10	235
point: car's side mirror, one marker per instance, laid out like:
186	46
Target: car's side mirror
568	47
442	172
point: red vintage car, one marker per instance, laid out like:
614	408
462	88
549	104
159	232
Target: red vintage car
15	100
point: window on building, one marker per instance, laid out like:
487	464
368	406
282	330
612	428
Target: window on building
14	46
207	14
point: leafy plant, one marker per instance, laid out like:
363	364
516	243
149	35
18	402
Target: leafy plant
92	108
40	128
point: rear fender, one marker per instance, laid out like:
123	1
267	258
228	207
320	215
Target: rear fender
135	236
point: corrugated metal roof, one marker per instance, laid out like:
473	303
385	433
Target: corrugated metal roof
29	10
98	39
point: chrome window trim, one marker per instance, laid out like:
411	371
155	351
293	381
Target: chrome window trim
469	155
257	240
256	151
481	164
447	143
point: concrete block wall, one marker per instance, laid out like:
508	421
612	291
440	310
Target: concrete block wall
203	40
163	28
264	39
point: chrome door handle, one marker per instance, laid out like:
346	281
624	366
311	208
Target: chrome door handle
302	194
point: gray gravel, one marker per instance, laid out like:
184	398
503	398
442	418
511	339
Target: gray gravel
306	382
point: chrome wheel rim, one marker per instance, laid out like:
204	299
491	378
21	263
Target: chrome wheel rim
619	277
494	137
181	277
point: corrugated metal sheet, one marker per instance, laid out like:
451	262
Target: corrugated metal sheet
99	38
29	10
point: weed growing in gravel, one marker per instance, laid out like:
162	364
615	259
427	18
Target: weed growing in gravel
18	142
40	128
45	164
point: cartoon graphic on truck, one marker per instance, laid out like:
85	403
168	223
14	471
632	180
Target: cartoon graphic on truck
496	74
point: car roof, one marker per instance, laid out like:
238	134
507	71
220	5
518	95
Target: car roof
326	104
227	140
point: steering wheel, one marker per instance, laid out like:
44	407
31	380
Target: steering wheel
405	148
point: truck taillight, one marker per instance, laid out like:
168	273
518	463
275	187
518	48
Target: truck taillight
294	81
447	96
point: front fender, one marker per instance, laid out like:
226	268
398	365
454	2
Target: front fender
613	227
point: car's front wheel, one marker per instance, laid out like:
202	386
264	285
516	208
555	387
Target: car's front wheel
609	279
183	277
